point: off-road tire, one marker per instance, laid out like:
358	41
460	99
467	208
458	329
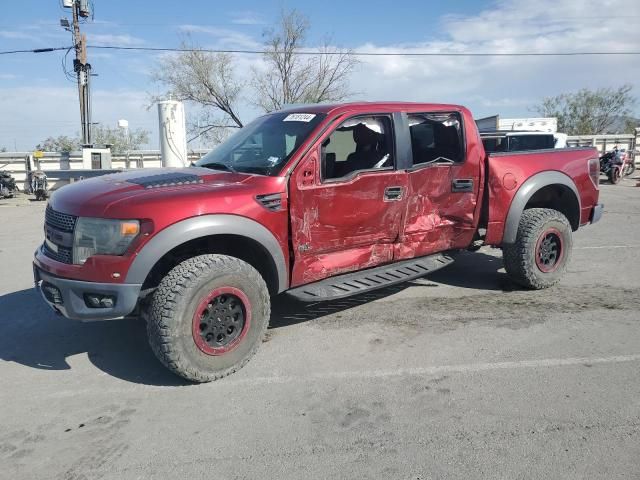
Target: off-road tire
171	311
520	257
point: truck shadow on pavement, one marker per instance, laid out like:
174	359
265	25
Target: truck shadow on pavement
477	271
33	336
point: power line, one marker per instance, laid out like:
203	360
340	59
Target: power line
36	50
368	54
360	54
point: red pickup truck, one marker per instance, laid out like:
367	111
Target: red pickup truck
320	201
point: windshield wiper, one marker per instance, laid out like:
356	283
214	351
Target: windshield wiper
218	166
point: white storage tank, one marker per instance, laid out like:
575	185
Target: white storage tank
173	133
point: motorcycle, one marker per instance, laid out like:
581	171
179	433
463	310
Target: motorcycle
38	185
615	165
8	187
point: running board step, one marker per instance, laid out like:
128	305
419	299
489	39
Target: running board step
371	279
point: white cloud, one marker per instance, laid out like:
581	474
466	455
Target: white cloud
224	38
247	18
508	84
33	113
14	35
488	85
109	39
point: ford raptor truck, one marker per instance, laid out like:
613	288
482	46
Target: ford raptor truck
320	201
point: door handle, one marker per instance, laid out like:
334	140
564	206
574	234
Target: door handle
392	194
462	185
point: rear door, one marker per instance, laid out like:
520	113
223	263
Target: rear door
347	199
444	184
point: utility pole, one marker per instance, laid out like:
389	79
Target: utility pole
80	9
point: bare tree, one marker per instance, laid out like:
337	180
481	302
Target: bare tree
207	80
589	112
290	77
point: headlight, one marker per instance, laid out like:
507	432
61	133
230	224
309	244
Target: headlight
100	236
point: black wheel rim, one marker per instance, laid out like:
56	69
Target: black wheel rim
221	321
549	250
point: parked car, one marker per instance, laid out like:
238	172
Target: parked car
320	201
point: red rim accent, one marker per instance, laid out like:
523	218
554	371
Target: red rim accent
548	242
197	317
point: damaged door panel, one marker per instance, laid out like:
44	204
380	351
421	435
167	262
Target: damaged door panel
347	214
444	186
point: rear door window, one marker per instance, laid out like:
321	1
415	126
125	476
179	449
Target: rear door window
436	137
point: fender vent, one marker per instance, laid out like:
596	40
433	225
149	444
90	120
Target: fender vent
166	180
272	201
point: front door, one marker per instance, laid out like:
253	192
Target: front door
347	201
444	184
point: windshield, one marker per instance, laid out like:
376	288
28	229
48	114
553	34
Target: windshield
263	146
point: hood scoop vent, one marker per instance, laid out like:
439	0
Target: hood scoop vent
170	179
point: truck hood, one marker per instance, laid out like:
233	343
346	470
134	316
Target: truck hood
113	195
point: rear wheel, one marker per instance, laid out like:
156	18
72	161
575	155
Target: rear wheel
629	168
542	249
208	317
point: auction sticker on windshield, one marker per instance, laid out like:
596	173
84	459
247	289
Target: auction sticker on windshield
299	117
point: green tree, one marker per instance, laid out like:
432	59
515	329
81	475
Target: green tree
118	139
102	135
61	143
589	112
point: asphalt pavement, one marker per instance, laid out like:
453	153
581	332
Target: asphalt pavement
459	375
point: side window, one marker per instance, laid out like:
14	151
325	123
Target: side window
436	137
360	143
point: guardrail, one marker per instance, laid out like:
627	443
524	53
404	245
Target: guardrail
62	168
606	142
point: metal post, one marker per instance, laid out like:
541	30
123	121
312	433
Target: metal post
83	73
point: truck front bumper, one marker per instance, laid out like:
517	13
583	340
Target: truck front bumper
596	213
80	300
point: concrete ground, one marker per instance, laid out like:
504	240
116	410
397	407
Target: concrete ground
456	376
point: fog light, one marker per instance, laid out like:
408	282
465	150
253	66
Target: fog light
51	293
98	300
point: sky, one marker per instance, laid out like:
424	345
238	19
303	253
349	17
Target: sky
37	100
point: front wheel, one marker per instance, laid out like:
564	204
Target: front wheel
614	175
208	316
542	249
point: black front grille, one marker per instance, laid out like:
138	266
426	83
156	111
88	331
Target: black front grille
63	254
60	221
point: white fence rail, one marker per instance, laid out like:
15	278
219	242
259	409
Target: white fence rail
606	142
15	162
